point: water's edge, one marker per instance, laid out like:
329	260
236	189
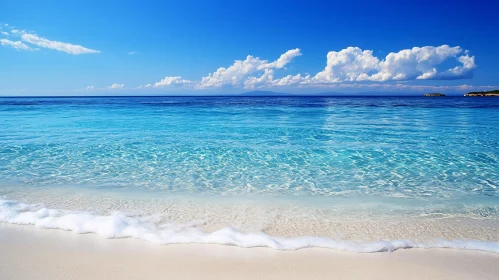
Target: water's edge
120	225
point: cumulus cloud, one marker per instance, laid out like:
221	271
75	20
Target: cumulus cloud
420	63
291	80
168	81
349	67
236	74
254	82
55	45
15	44
350	64
354	64
4	33
284	59
463	71
116	86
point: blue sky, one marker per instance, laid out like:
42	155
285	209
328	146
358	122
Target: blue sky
210	47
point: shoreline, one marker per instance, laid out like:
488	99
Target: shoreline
383	237
56	254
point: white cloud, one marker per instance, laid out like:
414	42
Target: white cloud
353	64
356	65
291	80
254	82
284	59
55	45
116	86
34	39
132	53
463	71
418	63
5	33
90	88
350	64
15	44
349	67
236	74
168	81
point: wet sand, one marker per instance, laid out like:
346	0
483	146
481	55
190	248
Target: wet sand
31	253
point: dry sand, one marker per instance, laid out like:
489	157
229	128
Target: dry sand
31	253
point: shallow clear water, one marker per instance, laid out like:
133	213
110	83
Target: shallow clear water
392	155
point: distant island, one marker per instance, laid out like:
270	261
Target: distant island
434	94
264	93
483	93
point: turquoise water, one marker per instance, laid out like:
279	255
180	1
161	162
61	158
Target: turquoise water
406	153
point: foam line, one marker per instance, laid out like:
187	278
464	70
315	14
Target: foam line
119	225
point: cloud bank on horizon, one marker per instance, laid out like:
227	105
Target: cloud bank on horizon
349	65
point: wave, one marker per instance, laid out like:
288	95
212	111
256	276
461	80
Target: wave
119	225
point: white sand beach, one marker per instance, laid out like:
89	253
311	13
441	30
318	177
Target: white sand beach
144	140
31	253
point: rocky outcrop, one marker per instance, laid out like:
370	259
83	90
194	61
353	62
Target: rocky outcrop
434	94
483	93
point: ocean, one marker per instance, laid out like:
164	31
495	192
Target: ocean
362	174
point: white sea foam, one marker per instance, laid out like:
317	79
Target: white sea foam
119	225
